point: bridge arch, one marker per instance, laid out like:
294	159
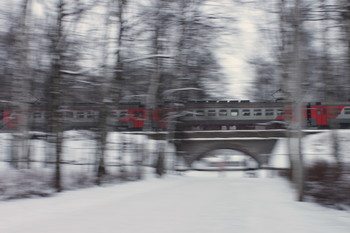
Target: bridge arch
226	146
193	150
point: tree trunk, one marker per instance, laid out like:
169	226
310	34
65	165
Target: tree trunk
21	91
54	93
298	97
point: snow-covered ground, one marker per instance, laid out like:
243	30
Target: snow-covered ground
196	202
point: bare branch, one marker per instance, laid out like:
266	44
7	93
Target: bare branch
149	57
168	92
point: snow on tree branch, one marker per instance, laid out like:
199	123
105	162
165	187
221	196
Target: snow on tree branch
149	57
79	72
170	91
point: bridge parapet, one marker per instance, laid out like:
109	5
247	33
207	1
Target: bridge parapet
182	135
231	134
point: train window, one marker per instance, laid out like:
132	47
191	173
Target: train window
257	112
114	113
12	116
211	112
68	114
269	112
200	113
90	114
234	112
36	115
246	112
140	114
223	112
347	111
123	114
336	111
80	114
189	114
280	112
161	114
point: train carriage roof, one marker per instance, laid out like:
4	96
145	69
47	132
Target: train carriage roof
232	104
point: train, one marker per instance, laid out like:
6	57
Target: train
247	115
189	115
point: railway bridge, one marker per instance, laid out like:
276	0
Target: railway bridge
193	145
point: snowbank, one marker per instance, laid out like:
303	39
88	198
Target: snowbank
316	147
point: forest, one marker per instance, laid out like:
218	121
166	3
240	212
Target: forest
104	52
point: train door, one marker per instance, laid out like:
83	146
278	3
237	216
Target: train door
10	119
159	118
138	118
333	114
1	119
321	116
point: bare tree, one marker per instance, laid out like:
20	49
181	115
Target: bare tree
265	83
112	92
298	98
346	17
20	86
55	91
159	19
59	47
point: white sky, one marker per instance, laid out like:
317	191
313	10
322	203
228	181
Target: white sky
242	47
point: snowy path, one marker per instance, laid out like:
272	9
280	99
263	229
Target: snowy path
194	203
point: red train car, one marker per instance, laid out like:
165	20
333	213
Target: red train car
330	115
135	119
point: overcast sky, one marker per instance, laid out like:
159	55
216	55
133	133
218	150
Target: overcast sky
242	47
